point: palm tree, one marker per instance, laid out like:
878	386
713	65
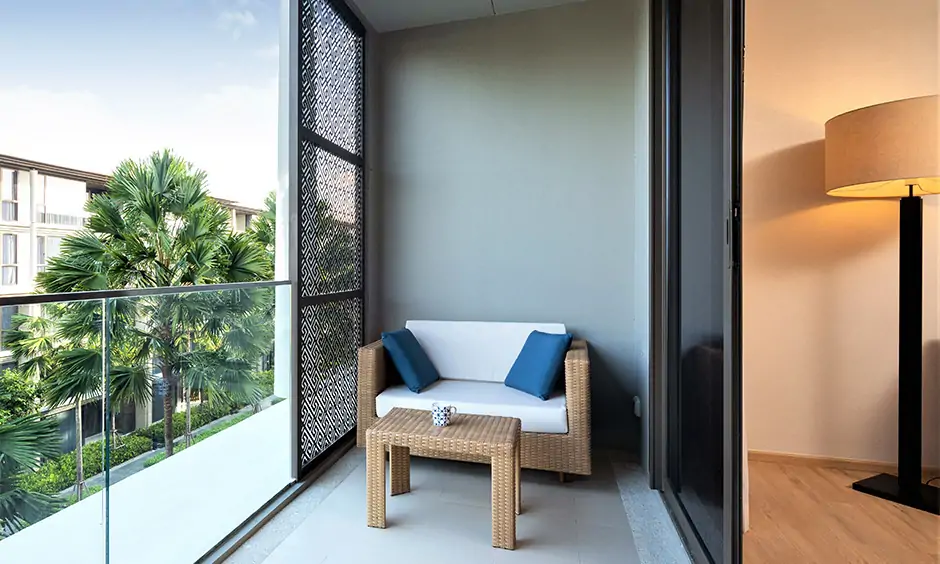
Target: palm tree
24	442
38	352
156	226
262	227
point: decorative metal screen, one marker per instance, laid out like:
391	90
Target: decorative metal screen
331	75
330	222
329	339
330	210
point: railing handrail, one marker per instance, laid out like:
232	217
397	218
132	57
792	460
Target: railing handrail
32	299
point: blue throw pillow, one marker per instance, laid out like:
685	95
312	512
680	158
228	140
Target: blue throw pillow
539	364
410	359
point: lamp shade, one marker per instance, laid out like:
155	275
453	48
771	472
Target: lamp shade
879	151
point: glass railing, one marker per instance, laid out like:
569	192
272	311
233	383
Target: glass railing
39	437
182	422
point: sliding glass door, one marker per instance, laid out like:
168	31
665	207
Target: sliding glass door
700	126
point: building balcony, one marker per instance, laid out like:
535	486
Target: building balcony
243	455
59	219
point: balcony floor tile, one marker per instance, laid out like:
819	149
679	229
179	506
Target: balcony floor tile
446	517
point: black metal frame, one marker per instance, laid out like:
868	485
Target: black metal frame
659	176
297	135
664	352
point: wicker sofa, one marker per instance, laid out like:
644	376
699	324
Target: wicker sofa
567	452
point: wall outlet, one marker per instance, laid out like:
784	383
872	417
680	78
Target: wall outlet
637	407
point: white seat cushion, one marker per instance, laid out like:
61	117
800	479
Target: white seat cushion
482	398
480	351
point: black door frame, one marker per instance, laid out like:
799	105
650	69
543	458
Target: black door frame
664	56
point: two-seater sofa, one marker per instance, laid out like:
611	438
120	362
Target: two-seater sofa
473	359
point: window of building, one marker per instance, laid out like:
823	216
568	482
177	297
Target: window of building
9	206
6	324
46	248
9	275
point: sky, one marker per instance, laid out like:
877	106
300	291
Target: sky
88	83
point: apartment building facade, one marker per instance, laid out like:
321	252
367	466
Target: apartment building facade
40	205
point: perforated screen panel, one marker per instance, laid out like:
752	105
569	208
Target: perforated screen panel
330	224
329	340
331	74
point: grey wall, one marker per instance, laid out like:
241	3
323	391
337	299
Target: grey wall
508	187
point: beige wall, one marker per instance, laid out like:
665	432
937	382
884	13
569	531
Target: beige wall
820	274
509	186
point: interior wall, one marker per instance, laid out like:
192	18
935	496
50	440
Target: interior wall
820	273
509	185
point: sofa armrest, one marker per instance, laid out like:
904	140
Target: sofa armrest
578	389
371	382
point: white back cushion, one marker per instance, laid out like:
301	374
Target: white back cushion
480	351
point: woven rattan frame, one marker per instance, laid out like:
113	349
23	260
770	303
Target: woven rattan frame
494	439
569	453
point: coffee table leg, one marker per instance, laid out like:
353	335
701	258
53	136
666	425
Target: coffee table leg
375	483
504	503
518	464
400	459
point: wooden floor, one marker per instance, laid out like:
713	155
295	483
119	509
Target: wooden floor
810	514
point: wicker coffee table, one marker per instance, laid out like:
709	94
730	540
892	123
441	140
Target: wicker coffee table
478	435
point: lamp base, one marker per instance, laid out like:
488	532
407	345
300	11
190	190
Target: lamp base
926	498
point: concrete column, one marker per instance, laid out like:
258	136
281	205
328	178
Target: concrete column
283	358
143	415
27	212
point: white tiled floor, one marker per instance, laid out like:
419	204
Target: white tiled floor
446	517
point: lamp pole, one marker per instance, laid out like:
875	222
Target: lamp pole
907	488
910	343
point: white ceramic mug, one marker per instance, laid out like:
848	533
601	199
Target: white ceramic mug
442	414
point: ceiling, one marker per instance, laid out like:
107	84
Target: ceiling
391	15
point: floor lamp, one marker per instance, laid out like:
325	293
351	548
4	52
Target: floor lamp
891	151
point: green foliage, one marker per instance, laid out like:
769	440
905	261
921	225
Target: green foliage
262	228
71	499
157	226
201	415
58	473
265	381
201	437
19	395
24	442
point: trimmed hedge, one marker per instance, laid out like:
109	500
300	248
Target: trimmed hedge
265	380
200	415
59	473
72	499
200	437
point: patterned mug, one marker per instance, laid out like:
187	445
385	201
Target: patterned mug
442	414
